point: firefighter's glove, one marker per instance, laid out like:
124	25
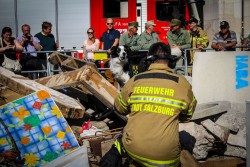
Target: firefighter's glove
112	158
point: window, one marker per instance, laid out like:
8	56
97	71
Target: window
167	10
115	8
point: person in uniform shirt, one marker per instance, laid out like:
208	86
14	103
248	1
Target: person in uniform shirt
155	101
225	39
148	37
130	37
198	37
178	37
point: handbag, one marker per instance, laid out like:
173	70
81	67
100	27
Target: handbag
12	65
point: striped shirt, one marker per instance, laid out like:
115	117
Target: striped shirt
219	39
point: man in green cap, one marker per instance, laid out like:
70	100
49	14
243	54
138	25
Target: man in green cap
130	37
148	37
177	37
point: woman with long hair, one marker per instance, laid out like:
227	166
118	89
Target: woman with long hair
90	45
8	48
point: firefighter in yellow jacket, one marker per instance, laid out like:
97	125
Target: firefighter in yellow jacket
198	37
155	101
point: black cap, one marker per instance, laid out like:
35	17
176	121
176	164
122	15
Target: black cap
224	24
193	20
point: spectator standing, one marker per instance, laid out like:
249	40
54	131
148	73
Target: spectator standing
111	36
148	37
29	61
9	45
155	100
198	36
90	45
225	39
47	41
130	37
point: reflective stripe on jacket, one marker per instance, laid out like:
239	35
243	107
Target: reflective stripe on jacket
154	100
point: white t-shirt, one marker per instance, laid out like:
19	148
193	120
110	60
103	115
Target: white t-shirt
90	48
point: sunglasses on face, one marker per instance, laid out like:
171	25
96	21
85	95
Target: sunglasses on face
90	32
110	23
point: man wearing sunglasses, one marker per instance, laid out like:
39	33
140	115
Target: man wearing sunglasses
111	36
225	39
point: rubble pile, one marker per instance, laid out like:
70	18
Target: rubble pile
216	129
82	93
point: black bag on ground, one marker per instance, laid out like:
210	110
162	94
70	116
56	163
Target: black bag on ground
112	158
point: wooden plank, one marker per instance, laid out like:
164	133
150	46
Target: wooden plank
85	77
187	159
227	162
7	95
70	107
68	63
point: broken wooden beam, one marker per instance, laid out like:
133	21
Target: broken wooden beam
86	77
68	63
70	107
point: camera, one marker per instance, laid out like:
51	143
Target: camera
27	35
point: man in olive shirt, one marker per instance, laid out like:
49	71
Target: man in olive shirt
148	37
130	37
177	37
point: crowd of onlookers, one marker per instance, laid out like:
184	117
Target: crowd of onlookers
27	45
178	37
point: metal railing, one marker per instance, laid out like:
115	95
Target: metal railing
75	53
48	69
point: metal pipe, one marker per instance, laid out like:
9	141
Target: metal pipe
242	22
56	17
16	20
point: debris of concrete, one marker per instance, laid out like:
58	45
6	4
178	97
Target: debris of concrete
235	151
209	109
237	140
235	118
201	141
220	132
195	139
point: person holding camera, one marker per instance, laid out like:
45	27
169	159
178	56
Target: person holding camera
9	46
29	61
